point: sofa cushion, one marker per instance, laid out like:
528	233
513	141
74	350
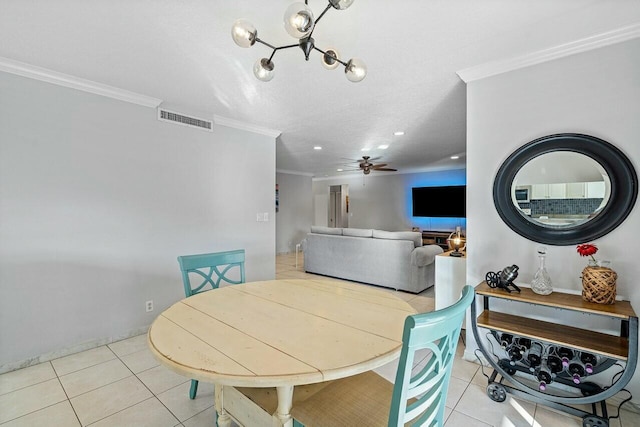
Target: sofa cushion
318	229
357	232
414	236
425	255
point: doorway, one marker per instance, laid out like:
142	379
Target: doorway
338	206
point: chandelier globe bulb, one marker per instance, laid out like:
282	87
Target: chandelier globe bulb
356	70
341	4
329	59
263	69
299	20
243	33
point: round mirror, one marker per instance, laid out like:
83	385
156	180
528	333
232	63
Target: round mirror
565	189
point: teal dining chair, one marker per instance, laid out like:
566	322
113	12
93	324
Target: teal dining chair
415	399
212	269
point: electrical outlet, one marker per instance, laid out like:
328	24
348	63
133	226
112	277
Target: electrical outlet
149	306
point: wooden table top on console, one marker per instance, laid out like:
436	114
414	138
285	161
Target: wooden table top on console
621	309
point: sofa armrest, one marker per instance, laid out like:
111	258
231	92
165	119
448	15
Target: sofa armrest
425	255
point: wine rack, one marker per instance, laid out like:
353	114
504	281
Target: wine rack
536	356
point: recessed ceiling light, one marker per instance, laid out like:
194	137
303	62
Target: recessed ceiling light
317	147
398	133
383	147
365	149
339	170
455	157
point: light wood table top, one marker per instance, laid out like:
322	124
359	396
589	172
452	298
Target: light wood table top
280	333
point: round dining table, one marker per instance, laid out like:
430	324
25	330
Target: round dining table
280	333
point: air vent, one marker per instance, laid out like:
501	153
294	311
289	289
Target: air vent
181	119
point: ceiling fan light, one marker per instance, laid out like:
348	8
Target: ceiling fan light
298	20
243	33
329	59
341	4
356	70
263	69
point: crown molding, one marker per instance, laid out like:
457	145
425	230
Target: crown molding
594	42
237	124
288	172
45	75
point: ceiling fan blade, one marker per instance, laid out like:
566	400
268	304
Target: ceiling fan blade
378	166
351	160
386	169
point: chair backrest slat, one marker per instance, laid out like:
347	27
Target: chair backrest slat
206	266
437	331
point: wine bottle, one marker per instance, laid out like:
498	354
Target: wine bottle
555	364
544	377
577	371
524	343
515	354
534	356
589	360
566	355
506	340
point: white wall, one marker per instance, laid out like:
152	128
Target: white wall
98	198
383	201
295	215
596	93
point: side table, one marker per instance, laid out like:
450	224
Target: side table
451	276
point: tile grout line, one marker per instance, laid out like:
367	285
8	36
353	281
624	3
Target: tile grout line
150	391
66	394
154	396
40	409
65	391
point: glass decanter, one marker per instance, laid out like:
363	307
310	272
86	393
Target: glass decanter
541	283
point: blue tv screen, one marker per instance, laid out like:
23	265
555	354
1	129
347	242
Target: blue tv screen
443	202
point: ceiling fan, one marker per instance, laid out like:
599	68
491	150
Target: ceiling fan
366	166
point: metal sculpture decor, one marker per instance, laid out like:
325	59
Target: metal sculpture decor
299	22
503	279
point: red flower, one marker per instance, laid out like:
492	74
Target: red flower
587	249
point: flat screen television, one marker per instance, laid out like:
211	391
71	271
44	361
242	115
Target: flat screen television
444	202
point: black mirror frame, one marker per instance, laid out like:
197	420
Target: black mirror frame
624	189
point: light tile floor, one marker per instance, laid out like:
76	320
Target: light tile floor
121	384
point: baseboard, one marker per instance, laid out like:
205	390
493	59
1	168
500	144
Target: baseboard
8	367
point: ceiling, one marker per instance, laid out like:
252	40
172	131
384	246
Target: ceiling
182	52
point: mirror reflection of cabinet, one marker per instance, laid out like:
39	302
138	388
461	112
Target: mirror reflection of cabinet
549	191
595	190
571	190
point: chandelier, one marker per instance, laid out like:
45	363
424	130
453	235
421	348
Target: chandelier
299	23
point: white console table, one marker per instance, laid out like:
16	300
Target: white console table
451	276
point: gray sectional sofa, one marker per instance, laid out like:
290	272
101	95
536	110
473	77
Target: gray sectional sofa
386	258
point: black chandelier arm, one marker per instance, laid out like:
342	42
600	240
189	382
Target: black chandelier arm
274	48
332	56
320	17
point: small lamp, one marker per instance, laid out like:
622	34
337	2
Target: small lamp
456	241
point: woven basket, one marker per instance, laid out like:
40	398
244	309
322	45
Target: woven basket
599	285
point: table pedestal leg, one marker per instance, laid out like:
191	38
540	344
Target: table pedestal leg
285	400
224	420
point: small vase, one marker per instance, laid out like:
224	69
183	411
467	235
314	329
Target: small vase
541	283
599	282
